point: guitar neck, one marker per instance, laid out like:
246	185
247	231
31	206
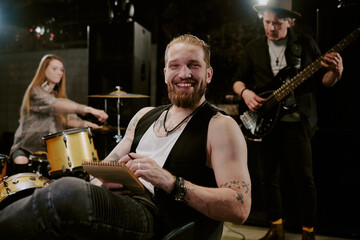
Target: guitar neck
293	83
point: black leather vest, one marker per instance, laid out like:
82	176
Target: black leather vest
187	159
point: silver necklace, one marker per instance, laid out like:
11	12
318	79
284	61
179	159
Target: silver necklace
182	122
277	56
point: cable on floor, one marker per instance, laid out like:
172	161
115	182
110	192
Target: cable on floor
234	231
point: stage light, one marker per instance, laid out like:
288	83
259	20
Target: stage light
51	36
40	30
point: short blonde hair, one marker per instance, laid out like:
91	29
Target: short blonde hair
190	39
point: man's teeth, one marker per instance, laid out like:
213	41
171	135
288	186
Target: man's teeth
184	84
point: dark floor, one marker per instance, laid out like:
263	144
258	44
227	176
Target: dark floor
242	232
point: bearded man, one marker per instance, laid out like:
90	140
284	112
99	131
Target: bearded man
191	158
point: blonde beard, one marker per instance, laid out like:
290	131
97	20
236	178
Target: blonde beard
184	99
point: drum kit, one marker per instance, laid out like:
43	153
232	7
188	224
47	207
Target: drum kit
66	151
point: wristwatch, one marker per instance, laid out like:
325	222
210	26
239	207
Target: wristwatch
179	190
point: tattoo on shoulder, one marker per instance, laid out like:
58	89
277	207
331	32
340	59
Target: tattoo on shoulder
136	120
133	124
218	114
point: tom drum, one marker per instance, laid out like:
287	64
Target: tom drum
68	149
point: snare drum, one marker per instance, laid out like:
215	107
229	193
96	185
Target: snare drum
4	160
18	186
68	149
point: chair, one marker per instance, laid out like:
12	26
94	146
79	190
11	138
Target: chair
196	231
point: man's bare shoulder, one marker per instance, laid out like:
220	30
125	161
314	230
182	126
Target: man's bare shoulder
143	111
220	120
224	125
134	121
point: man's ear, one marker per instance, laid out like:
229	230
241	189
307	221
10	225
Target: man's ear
165	74
209	74
291	22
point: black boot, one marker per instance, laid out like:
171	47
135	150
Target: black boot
276	232
308	235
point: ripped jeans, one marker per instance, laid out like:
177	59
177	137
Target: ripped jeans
70	208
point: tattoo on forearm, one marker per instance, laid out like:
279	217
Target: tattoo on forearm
189	188
240	197
231	184
237	185
246	186
114	157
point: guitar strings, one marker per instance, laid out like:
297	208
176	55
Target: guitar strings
282	92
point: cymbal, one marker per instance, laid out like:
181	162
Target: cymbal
119	94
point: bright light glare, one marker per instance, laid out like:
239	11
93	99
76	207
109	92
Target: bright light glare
262	2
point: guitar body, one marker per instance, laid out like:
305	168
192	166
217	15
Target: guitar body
256	125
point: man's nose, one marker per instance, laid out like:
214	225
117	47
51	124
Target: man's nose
185	72
272	27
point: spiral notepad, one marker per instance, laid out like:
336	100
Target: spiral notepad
117	173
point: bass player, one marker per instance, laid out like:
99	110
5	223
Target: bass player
287	146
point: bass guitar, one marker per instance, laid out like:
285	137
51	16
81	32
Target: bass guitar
256	125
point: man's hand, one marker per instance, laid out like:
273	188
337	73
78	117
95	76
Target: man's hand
147	169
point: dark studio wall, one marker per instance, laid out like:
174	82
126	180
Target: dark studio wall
336	162
227	25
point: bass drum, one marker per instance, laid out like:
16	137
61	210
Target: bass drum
67	150
19	186
4	161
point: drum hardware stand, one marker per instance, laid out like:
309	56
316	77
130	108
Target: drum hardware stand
67	151
118	136
6	185
90	135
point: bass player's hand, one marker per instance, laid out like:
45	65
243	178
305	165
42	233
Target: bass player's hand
253	101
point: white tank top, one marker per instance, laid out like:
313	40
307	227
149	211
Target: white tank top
156	148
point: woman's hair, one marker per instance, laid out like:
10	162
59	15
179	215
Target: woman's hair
190	39
39	79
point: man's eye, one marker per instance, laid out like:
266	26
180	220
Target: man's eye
194	65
